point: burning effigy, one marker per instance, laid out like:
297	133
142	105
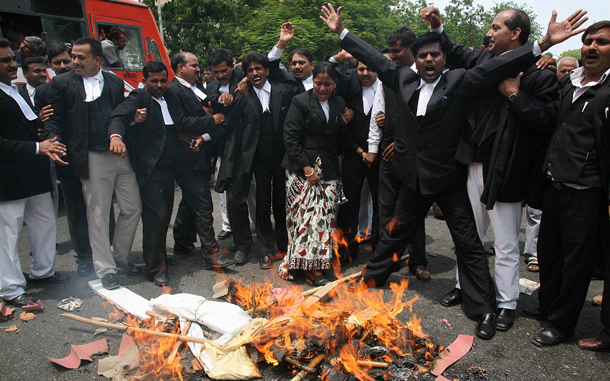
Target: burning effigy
326	331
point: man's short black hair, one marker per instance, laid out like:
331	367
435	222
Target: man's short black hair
116	33
4	43
178	59
96	47
519	19
404	34
37	44
427	38
56	50
25	64
206	67
153	67
325	67
595	27
385	51
303	52
259	58
218	56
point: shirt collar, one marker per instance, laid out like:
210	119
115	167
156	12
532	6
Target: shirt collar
183	82
577	75
266	87
375	85
308	80
30	88
422	82
99	76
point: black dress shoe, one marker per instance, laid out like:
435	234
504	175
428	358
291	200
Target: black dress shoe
20	301
224	235
84	269
546	338
217	261
110	281
127	268
161	279
533	313
241	257
357	285
55	278
505	318
486	327
266	262
184	250
452	298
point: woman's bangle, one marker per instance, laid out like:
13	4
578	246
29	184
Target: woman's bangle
340	56
311	174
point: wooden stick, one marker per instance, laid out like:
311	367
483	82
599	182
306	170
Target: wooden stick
123	327
254	292
262	308
312	364
172	356
156	316
298	365
373	364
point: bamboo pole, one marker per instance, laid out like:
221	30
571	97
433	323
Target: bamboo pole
172	356
373	364
123	327
297	364
312	364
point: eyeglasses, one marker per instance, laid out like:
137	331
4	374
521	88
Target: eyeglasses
434	54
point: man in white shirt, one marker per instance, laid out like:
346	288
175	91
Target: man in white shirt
25	189
82	102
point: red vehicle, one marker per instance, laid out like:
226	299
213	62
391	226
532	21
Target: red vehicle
64	21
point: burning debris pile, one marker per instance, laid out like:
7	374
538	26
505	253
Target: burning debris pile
341	335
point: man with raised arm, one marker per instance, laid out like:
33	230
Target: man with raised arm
432	129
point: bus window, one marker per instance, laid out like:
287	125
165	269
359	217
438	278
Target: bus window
61	31
156	52
122	47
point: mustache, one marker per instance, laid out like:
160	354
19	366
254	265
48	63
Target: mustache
64	70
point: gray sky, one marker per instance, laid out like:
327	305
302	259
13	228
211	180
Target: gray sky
543	8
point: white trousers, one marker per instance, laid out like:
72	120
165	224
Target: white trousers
533	217
505	219
38	214
110	174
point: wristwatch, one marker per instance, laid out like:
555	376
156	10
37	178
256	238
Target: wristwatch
512	97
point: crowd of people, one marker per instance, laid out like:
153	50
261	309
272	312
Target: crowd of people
481	133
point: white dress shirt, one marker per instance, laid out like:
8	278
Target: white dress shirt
264	94
424	95
13	92
368	95
31	92
94	86
325	108
167	118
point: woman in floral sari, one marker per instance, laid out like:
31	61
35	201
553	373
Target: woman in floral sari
311	133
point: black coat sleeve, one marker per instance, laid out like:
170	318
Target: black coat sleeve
294	128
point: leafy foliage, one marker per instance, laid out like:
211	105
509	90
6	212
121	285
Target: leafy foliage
575	53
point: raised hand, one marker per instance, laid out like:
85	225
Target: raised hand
332	18
286	34
558	32
431	15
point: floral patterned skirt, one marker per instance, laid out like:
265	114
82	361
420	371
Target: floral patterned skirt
310	221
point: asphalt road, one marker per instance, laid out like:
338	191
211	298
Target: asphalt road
508	356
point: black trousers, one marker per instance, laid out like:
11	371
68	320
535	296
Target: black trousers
355	171
567	245
76	211
157	196
237	209
604	334
194	216
270	190
389	188
478	288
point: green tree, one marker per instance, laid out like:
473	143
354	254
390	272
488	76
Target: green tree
575	53
535	28
465	22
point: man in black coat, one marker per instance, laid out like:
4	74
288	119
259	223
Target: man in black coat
506	138
256	147
193	166
25	189
431	127
357	87
152	147
575	207
82	101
